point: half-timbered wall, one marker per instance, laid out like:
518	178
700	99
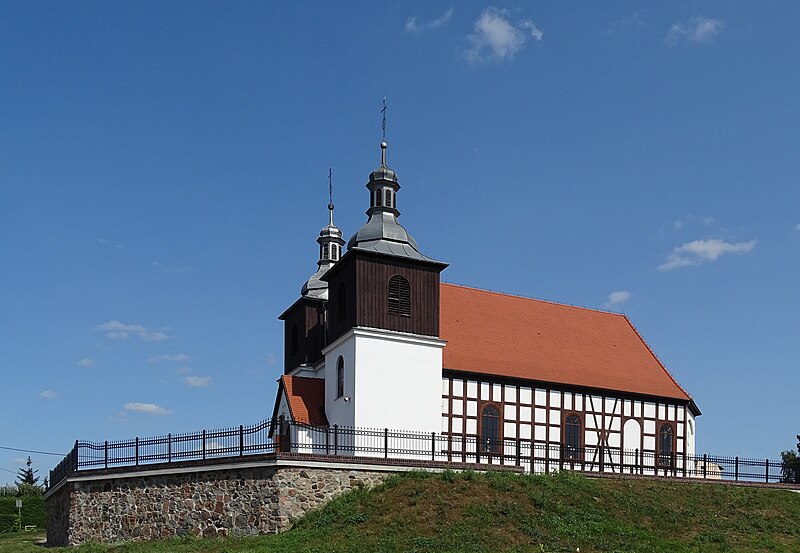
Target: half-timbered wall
536	413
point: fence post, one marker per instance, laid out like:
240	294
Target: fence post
137	451
327	440
736	467
519	453
547	457
684	463
75	461
433	446
766	474
561	457
602	460
106	454
477	450
385	443
336	439
204	444
241	440
705	465
169	447
449	447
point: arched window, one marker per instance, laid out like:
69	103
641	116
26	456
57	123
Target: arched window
293	344
572	437
341	295
377	198
339	377
334	252
399	296
324	251
490	430
665	447
388	198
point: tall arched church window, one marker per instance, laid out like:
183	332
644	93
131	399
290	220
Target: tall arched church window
293	339
388	198
377	198
490	430
572	437
341	295
665	445
324	251
334	252
339	377
399	296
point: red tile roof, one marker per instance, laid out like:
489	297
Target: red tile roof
306	399
498	334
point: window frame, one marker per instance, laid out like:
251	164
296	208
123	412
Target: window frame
398	297
497	448
339	377
665	459
567	448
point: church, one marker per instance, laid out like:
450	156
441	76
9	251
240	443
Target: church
376	340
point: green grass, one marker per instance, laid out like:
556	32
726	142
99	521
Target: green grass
472	512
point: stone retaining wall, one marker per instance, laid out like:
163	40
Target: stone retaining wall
237	501
224	496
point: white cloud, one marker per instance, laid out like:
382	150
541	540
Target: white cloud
797	227
120	331
183	370
198	381
87	362
173	268
149	408
701	251
697	29
48	394
413	27
616	299
497	39
177	358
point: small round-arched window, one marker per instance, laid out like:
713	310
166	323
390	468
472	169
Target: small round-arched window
399	296
340	377
490	429
665	445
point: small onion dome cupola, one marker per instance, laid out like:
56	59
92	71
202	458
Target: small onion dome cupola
330	251
382	233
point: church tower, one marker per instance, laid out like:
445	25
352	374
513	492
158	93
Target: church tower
383	364
305	321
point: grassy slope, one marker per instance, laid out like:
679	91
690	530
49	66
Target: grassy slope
504	512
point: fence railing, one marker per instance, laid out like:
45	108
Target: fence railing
281	435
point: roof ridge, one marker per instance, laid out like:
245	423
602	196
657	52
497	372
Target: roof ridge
653	353
529	298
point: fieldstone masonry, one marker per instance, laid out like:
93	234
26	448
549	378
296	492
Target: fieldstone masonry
230	501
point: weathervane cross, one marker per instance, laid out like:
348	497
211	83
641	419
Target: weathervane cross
383	123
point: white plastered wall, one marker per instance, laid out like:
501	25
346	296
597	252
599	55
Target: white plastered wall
392	380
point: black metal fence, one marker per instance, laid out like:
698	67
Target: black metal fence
281	435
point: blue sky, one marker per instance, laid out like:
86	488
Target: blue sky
163	177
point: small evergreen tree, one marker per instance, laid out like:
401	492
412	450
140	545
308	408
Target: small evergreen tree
28	475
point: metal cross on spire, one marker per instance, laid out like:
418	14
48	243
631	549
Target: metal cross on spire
330	194
383	123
